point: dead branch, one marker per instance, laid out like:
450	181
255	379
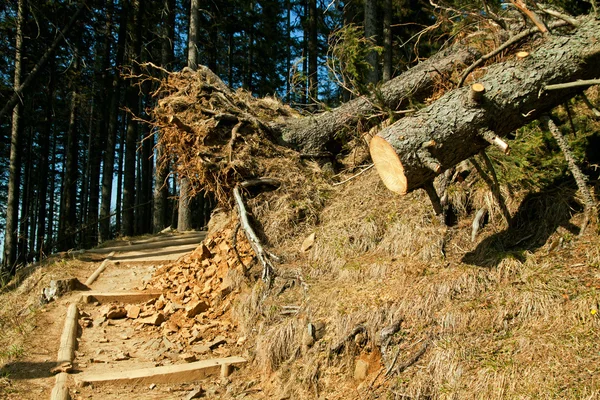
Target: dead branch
413	359
531	15
268	273
589	104
492	182
513	40
353	176
338	347
477	222
556	14
568	85
580	178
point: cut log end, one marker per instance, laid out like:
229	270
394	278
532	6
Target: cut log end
388	165
477	92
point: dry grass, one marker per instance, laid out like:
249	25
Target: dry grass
518	319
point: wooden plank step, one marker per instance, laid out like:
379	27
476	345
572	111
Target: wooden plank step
168	374
120	297
155	244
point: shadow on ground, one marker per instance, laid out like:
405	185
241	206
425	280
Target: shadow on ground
539	216
28	370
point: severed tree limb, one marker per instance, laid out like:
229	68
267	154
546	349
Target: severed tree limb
492	182
569	85
580	178
268	270
589	104
559	15
504	46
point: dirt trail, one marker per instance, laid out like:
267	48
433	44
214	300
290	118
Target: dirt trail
115	344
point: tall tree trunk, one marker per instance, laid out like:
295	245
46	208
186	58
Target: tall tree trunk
387	40
193	35
371	35
184	218
12	209
51	205
131	140
161	190
288	30
68	211
100	127
43	174
26	194
113	122
313	52
184	221
119	196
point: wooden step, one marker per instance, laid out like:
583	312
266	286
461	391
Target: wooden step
120	297
155	243
168	374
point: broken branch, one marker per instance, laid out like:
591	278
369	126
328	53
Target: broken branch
568	85
580	179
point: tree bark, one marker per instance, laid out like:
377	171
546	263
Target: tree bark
132	137
313	52
411	152
371	35
43	176
316	133
68	212
387	40
161	169
12	208
184	218
108	168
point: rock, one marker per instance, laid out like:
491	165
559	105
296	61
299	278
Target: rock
122	356
187	357
195	308
200	349
155	319
113	311
195	394
308	243
133	311
361	370
219	340
59	287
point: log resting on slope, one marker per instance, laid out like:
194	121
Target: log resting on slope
315	134
514	95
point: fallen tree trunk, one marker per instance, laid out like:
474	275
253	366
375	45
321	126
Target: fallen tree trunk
315	134
410	153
